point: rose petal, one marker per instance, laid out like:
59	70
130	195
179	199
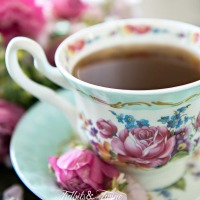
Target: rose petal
114	128
109	170
75	159
84	174
156	162
95	173
123	134
163	130
53	163
63	177
132	160
169	147
99	123
133	147
105	134
154	150
106	129
118	146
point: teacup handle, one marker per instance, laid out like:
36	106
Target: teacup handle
41	64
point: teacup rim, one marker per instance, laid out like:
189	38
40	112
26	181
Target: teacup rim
114	90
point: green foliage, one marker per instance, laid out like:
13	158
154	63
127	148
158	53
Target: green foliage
180	184
179	155
11	91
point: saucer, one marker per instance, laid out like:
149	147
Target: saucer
44	128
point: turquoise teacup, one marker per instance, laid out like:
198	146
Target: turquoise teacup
148	133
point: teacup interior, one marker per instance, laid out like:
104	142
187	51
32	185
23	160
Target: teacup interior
126	32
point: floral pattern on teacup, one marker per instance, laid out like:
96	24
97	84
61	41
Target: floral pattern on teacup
141	144
130	30
196	38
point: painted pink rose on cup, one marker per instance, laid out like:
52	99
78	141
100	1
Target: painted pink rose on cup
146	147
21	18
197	123
68	9
106	128
82	171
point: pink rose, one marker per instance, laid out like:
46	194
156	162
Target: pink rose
68	9
107	128
9	116
82	171
147	146
20	18
197	123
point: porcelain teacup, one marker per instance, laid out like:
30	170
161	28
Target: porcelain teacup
147	133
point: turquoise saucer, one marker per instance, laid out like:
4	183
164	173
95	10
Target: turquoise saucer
41	132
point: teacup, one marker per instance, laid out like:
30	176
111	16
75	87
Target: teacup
169	119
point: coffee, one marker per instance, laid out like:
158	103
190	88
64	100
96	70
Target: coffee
142	67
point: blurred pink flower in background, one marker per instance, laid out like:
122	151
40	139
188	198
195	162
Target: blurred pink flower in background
82	171
68	9
14	192
9	116
134	190
93	15
21	18
119	12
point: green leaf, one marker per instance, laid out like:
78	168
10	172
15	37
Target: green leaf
113	155
180	184
122	186
172	132
179	155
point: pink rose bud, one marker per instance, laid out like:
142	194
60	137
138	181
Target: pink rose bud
82	171
9	116
20	18
107	128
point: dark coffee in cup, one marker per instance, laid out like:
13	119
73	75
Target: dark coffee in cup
141	67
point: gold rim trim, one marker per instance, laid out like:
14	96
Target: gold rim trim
157	103
160	103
